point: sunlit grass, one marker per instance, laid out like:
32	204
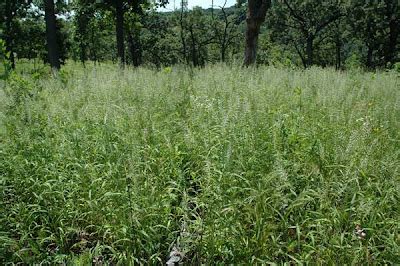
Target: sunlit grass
232	165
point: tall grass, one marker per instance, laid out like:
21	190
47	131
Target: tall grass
228	165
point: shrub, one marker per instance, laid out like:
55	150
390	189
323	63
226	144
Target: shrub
5	59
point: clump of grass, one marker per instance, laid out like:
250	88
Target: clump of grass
230	165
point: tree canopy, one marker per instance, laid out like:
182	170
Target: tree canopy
304	33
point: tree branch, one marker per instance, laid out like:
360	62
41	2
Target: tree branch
294	14
329	21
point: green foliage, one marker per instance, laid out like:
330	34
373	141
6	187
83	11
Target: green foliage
156	37
396	67
353	62
276	55
30	34
5	61
19	89
197	34
64	76
62	40
334	32
376	24
234	166
303	25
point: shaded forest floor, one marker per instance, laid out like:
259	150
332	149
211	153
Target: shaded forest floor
224	164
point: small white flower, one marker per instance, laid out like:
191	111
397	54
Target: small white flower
360	232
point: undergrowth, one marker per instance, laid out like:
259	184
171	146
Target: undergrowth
229	165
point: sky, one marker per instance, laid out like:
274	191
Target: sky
202	3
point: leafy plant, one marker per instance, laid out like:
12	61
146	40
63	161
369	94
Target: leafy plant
5	59
396	67
218	165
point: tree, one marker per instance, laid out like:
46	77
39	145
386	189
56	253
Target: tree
84	13
182	16
372	22
226	30
101	36
305	24
119	23
392	17
30	30
159	39
10	11
120	7
51	35
196	35
256	13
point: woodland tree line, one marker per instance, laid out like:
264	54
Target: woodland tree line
335	33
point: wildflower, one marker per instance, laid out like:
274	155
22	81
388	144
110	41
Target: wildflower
175	256
360	232
167	70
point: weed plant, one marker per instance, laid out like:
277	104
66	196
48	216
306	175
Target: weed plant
230	165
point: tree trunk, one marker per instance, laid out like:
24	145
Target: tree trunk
338	44
51	35
82	29
224	44
120	31
392	42
369	57
370	42
82	47
256	12
195	59
212	9
182	35
394	24
82	55
135	48
223	52
338	54
8	32
92	51
252	31
310	51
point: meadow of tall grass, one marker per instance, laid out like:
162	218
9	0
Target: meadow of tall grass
224	164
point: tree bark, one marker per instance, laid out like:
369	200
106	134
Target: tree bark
310	51
92	51
82	29
223	52
338	44
299	52
393	37
195	59
182	34
82	54
51	35
224	43
252	32
256	12
370	44
338	54
120	31
8	32
135	48
370	52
